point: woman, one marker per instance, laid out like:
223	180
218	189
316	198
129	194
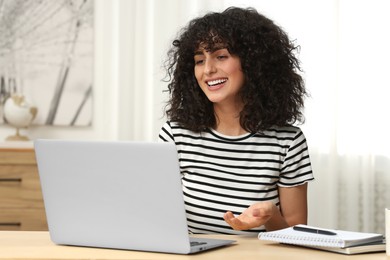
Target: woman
235	92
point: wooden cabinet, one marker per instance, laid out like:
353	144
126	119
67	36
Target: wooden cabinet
21	203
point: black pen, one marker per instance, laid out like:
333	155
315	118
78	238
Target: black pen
314	230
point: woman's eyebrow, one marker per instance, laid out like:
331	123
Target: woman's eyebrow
201	52
198	52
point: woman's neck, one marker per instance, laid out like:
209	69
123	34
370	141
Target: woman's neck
228	121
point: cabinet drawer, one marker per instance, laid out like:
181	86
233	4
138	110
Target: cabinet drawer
12	170
21	203
17	156
22	219
20	187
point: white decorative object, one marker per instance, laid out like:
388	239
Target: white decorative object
19	114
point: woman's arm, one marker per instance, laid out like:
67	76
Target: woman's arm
292	211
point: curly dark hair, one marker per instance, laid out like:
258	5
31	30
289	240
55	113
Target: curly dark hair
273	93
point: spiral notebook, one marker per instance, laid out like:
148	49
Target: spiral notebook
334	238
374	247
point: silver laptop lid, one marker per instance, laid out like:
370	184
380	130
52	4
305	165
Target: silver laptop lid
124	195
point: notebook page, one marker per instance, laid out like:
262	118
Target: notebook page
342	239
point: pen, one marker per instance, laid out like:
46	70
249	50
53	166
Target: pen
314	230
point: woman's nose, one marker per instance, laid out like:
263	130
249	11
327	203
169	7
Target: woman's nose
210	67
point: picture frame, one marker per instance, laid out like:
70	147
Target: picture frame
46	55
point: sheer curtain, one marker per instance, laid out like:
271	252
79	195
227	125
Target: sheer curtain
347	120
362	116
344	52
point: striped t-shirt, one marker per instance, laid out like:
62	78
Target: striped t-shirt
229	173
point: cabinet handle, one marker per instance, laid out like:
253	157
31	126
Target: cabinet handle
10	179
13	224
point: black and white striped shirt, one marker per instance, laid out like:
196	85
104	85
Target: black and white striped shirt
221	173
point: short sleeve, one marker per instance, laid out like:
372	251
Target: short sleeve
296	169
165	134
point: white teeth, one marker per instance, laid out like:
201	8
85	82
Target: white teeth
215	82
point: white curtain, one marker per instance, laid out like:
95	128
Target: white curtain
362	124
345	55
347	118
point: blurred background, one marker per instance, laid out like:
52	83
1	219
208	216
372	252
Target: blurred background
345	57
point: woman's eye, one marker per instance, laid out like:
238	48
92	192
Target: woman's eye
198	62
221	57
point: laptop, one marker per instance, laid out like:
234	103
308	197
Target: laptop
114	194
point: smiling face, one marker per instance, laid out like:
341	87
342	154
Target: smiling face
219	75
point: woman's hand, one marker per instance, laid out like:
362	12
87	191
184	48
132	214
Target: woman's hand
254	216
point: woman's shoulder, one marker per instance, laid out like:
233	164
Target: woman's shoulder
172	125
288	132
176	128
172	130
284	130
